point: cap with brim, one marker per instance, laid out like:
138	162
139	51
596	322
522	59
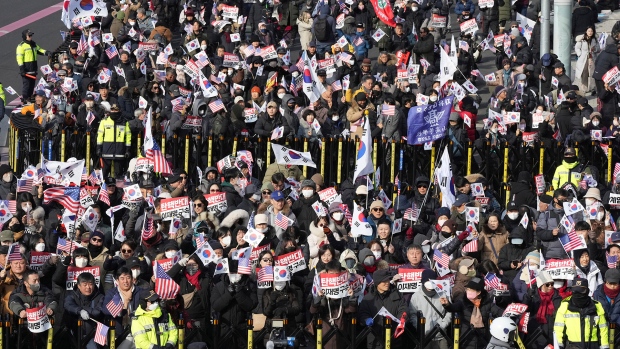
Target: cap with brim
466	262
382	275
612	276
461	199
6	235
593	193
277	195
151	296
132	262
261	219
580	285
363	190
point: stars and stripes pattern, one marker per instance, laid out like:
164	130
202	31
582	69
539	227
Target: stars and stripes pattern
111	52
243	257
442	258
24	185
611	261
216	105
264	274
148	231
90	117
165	287
612	223
93	179
572	241
491	281
282	221
101	334
14	254
103	194
82	45
160	164
68	197
115	305
200	241
388	110
65	245
471	246
251	221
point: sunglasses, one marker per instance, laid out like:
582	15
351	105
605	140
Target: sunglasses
549	284
199	204
213	190
127	251
377	209
267	260
97	239
271	107
266	192
422	186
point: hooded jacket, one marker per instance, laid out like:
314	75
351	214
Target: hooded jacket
153	327
522	191
291	119
511	252
605	61
233	307
547	221
304	212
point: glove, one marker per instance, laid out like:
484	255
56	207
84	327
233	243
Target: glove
99	150
22	70
409	233
369	322
169	346
326	230
231	288
127	152
84	314
238	287
273	297
463	235
183	261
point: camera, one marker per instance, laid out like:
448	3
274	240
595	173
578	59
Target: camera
278	338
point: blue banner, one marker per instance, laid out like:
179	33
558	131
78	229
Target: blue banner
427	123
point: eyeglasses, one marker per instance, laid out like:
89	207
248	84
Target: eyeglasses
198	204
97	239
191	265
266	192
127	251
267	260
377	209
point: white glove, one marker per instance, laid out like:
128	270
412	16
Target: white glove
84	314
118	253
183	261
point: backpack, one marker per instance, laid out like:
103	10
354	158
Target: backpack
320	29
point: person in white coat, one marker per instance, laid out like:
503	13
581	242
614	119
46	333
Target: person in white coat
587	49
587	269
427	301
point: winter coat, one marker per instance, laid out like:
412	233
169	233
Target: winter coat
585	50
304	212
424	48
611	306
420	303
265	125
75	301
594	277
233	307
334	312
532	299
490	244
289	11
547	221
317	238
488	310
583	17
134	303
271	217
305	32
199	306
511	252
505	12
372	302
605	61
145	321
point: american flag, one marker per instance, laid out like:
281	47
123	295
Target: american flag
472	246
251	221
265	274
90	117
216	105
612	223
411	214
388	110
14	254
101	335
84	175
82	45
616	171
115	305
358	41
93	179
282	221
441	258
165	287
572	241
160	164
177	104
11	204
68	197
611	261
111	52
66	246
347	213
491	281
103	194
24	185
148	231
300	64
200	241
243	257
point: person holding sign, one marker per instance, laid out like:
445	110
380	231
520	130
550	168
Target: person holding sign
153	327
10	278
31	294
383	294
84	302
282	302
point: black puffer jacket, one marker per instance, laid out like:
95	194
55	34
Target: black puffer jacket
465	307
511	252
424	48
583	17
233	307
304	212
199	308
605	61
75	301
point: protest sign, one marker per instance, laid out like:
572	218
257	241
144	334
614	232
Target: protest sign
335	286
37	319
174	207
74	272
410	280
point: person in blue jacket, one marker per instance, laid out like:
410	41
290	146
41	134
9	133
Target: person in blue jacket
360	42
129	296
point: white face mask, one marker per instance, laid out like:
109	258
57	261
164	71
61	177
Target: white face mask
40	247
433	98
335	118
517	241
27	207
262	230
307	192
153	306
226	241
558	283
441	222
203	47
426	248
279	285
131	23
414	8
595	123
234	278
590	201
7	177
81	262
295	74
600	216
281	95
512	215
377	254
170	254
337	216
135	273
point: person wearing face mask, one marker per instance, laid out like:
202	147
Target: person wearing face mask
608	294
124	34
233	297
512	219
477	309
98	255
542	301
29	294
367	259
458	211
548	227
428	303
581	320
261	224
281	302
302	208
511	255
356	114
569	171
136	266
492	238
151	315
84	302
337	217
318	236
8	184
113	140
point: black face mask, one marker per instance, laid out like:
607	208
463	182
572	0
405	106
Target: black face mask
580	300
570	159
446	235
95	250
360	198
17	227
290	249
430	293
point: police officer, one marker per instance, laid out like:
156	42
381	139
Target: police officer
113	140
26	53
584	317
153	328
569	171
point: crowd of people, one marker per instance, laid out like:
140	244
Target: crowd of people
288	247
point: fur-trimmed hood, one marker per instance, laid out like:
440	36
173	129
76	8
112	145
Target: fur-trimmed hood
318	232
235	216
205	215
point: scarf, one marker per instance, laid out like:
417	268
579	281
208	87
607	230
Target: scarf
612	294
193	279
476	315
370	269
546	306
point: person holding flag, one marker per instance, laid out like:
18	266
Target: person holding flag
549	229
542	300
150	315
121	302
427	302
512	254
85	302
